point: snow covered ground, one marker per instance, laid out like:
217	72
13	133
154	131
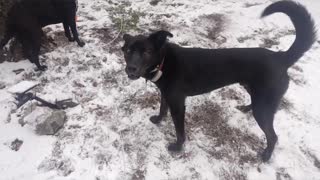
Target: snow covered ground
109	136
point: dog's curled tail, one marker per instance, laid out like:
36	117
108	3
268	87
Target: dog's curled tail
303	23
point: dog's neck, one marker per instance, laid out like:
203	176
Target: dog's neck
157	72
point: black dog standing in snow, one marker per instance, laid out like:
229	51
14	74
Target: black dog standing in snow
180	72
26	18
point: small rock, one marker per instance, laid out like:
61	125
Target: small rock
16	144
95	84
2	85
52	124
154	2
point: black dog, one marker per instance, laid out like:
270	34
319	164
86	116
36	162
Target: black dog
27	17
180	72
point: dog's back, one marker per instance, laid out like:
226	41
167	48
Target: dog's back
46	12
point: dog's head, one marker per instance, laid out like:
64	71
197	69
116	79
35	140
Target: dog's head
143	53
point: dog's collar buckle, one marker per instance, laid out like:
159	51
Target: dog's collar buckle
158	71
157	76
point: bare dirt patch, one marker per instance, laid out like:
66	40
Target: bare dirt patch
214	24
111	39
286	104
270	39
282	174
232	173
310	155
146	100
297	78
228	143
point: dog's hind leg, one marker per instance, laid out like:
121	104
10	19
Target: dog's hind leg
163	111
177	109
264	107
265	101
264	115
75	34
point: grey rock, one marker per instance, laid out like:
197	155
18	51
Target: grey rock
16	144
2	85
51	124
25	111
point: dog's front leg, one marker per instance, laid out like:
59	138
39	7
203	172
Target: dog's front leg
5	40
67	32
73	27
163	111
75	34
177	109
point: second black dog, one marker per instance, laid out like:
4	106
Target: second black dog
180	72
27	17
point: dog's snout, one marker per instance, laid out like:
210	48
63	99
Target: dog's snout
132	69
132	72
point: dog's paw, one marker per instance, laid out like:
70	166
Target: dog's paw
81	43
71	39
175	147
42	68
155	119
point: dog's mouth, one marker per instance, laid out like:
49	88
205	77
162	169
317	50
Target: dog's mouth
133	77
134	74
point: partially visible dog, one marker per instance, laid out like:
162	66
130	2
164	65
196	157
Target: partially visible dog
26	18
180	72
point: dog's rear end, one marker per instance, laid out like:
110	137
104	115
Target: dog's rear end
27	17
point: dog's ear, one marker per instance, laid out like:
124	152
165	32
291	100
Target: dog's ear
127	37
159	38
